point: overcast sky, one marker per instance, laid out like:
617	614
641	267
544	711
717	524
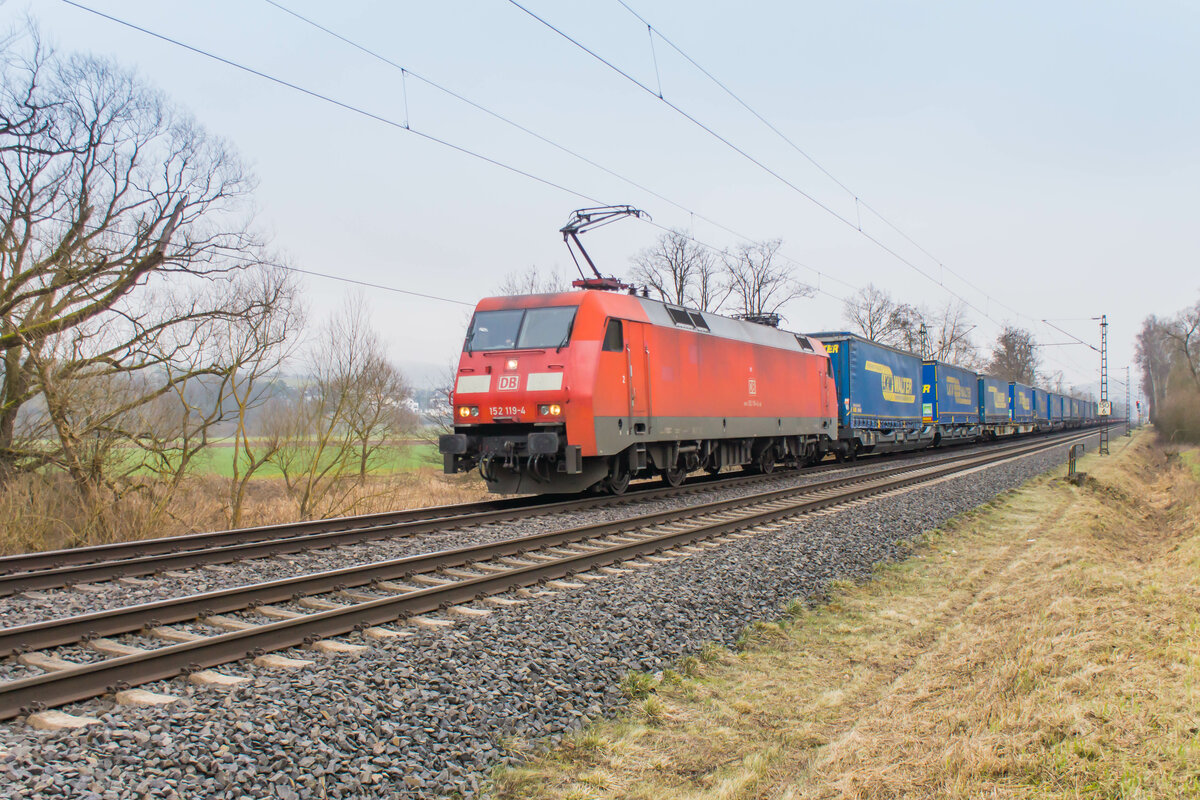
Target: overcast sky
1045	152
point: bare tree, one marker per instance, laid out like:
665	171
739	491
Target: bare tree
376	414
1054	381
1184	335
1014	356
122	228
533	281
256	349
1153	354
759	284
328	437
873	313
948	335
681	271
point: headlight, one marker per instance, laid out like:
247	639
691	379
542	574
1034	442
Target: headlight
550	409
511	364
468	411
555	409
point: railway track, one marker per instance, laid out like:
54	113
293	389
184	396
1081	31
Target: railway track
310	609
135	559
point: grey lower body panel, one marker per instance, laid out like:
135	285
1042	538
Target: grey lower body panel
534	461
615	434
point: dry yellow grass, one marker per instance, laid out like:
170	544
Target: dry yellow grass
37	513
1047	646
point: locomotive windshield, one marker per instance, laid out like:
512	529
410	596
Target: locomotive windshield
520	328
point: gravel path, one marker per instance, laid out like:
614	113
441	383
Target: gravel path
426	716
54	603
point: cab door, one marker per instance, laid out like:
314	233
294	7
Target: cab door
637	366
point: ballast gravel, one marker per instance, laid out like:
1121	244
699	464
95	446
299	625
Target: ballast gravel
56	603
430	715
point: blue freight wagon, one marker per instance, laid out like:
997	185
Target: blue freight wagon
993	406
1020	406
879	395
949	401
1057	420
1041	408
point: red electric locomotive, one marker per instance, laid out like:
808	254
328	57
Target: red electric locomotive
588	389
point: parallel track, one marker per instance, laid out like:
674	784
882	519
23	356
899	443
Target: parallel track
437	581
55	569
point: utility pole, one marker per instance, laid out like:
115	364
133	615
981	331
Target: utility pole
1127	397
1104	382
924	332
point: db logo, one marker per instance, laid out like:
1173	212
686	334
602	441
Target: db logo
508	383
753	386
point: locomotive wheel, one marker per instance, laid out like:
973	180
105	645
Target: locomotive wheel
766	461
673	476
618	480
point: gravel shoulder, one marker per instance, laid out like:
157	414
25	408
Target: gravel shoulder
1042	647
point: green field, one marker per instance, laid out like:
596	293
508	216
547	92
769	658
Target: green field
217	459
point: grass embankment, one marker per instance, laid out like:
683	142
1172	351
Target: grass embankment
38	513
1046	645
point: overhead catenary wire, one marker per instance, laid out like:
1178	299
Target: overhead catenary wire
757	162
858	200
293	268
1073	336
406	71
463	150
378	118
326	98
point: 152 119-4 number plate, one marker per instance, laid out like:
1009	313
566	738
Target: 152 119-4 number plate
507	411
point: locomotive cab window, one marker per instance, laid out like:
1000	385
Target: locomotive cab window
520	328
494	330
546	327
614	337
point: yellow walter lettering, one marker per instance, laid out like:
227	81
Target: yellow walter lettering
831	348
895	389
960	393
999	398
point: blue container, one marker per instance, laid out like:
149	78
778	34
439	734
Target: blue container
1056	407
993	399
1020	402
1041	405
879	388
949	394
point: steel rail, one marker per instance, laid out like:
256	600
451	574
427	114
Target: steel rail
40	635
258	548
57	688
116	551
245	544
